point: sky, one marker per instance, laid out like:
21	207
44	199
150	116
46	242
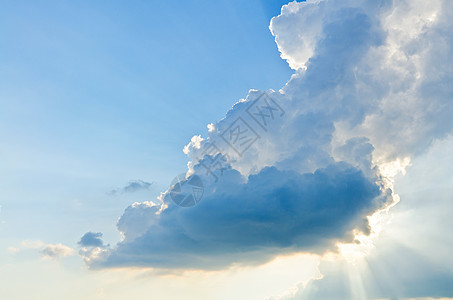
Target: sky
95	96
226	150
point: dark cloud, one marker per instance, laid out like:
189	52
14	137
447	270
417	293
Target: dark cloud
91	239
412	258
275	211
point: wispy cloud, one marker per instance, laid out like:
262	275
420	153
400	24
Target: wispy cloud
48	251
131	187
56	251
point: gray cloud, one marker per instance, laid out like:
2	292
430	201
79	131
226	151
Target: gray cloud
275	211
92	239
132	186
411	257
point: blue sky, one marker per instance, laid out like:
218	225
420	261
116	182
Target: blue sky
342	193
96	95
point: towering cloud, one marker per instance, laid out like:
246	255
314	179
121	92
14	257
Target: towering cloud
299	169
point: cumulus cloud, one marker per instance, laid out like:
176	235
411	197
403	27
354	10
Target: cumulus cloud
300	167
132	186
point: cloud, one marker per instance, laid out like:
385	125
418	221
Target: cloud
47	251
371	87
131	187
56	251
411	258
274	211
91	239
92	247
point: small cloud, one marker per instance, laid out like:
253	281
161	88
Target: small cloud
211	127
47	250
92	239
93	247
56	251
132	186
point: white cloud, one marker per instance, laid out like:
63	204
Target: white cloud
195	143
56	251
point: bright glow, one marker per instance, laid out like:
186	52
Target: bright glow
364	244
